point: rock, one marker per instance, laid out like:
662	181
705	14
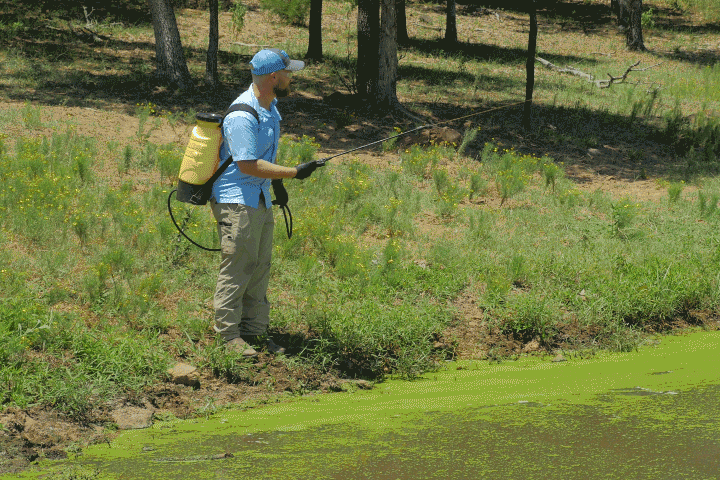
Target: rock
559	358
184	374
132	418
361	384
436	135
531	346
35	433
444	135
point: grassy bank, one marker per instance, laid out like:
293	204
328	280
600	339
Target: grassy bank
100	295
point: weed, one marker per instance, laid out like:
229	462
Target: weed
648	18
238	18
675	190
468	139
390	145
478	185
144	111
623	215
551	172
708	203
31	116
292	12
126	162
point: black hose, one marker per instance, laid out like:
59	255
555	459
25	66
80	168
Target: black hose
285	209
181	230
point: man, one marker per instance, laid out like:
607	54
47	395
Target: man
242	206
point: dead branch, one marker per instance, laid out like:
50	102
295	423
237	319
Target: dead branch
569	69
599	83
623	77
249	45
429	27
88	22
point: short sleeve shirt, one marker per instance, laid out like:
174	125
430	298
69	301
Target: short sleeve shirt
244	138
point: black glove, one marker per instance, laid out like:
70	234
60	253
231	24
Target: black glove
304	170
281	195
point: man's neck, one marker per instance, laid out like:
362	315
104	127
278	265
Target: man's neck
264	98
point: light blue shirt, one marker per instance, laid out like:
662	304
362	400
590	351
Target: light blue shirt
246	139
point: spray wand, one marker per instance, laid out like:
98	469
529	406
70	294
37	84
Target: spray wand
322	162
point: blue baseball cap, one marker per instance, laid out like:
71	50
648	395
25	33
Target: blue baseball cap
273	59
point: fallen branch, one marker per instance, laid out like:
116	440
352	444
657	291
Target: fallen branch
623	77
569	69
249	44
599	83
429	27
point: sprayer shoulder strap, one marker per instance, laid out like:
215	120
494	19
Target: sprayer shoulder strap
238	107
242	107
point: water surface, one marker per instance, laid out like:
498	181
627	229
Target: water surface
648	414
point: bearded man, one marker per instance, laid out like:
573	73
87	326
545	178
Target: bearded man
242	205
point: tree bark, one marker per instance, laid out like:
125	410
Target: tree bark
386	96
368	27
400	14
530	65
619	7
211	70
315	50
170	61
634	33
451	23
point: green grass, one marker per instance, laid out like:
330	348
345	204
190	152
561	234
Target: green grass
102	295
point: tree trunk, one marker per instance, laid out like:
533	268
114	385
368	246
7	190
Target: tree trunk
386	96
170	61
530	65
402	34
634	34
211	71
451	23
315	51
621	11
368	27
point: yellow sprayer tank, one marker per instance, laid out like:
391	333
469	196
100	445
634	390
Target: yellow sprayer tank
201	159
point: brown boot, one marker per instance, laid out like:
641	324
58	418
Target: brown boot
238	345
261	342
274	347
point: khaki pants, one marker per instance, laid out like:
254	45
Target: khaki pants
246	238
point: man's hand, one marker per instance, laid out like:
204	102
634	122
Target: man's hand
304	170
281	195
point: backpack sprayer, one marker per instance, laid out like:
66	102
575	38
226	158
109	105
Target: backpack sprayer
201	163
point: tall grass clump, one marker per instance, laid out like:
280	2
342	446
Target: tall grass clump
292	12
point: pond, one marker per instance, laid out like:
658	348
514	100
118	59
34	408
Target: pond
652	413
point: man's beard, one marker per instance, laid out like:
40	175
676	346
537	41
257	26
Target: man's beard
281	92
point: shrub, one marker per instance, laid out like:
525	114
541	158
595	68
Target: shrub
292	12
